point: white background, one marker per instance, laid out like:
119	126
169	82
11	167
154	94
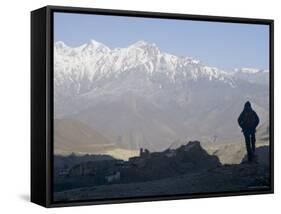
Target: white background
15	106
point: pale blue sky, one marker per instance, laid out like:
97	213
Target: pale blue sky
224	45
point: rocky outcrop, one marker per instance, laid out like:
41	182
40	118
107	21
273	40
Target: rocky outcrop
194	153
149	166
185	170
261	156
227	178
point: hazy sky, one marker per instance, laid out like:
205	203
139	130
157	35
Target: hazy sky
224	45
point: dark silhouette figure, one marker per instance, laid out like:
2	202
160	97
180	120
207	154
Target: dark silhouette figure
248	121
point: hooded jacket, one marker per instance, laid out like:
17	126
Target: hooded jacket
248	119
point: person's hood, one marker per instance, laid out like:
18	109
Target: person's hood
247	106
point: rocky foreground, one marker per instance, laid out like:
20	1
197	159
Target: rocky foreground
204	174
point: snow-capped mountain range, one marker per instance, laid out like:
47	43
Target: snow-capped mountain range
158	93
94	61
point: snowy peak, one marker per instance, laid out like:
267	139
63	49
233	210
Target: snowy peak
94	43
252	75
61	48
60	45
99	59
93	47
145	46
250	70
141	44
84	67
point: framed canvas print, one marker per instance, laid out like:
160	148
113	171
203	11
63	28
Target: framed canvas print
134	106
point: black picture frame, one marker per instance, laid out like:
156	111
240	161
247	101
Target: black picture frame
42	102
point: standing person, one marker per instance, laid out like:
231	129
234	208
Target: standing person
248	121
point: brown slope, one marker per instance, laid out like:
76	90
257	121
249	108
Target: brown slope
75	136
